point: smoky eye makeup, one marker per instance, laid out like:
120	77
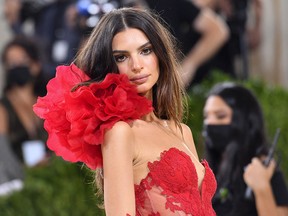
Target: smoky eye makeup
120	58
147	50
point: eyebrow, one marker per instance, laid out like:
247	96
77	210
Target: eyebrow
141	47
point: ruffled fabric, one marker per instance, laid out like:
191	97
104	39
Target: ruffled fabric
76	121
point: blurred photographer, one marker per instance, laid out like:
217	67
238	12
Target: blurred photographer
83	15
244	21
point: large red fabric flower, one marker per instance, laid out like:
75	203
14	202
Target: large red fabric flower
77	120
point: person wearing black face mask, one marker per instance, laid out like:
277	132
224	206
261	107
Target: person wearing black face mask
19	76
234	135
19	126
218	137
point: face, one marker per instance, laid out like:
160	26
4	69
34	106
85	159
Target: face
16	56
217	112
135	57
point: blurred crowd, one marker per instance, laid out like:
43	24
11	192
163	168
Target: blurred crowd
212	35
60	26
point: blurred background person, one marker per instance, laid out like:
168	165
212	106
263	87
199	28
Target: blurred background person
244	20
83	15
11	169
60	26
46	22
234	133
24	82
200	33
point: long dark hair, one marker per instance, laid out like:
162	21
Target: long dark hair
249	141
96	59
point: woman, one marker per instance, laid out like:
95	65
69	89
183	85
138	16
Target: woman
24	82
234	135
148	164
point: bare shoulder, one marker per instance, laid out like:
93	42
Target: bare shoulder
188	138
120	131
121	126
183	133
187	133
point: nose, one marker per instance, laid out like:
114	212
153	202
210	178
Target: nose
136	64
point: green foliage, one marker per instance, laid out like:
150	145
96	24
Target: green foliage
65	189
61	189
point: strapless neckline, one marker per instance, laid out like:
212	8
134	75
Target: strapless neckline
162	157
171	185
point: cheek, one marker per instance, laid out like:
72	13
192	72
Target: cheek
123	69
153	62
153	65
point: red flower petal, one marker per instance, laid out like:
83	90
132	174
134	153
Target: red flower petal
76	121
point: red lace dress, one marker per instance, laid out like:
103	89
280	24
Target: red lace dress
171	188
76	121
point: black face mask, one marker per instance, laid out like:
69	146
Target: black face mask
19	76
217	137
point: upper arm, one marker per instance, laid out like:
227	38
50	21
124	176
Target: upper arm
280	192
118	151
208	21
282	211
3	120
188	139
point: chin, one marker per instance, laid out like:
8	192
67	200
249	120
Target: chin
141	90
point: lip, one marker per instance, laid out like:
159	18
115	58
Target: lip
139	79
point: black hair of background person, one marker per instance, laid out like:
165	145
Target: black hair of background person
248	128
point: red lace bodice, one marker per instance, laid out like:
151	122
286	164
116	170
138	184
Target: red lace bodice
171	188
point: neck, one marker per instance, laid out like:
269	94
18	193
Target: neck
148	95
150	117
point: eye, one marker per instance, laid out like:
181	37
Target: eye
120	58
221	116
146	50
